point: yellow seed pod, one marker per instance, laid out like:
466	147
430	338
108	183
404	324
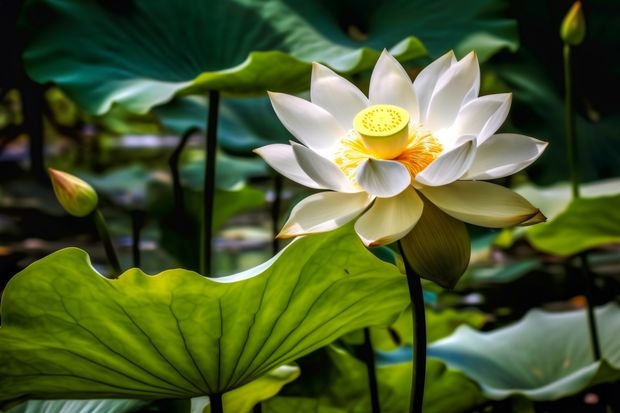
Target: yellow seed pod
384	130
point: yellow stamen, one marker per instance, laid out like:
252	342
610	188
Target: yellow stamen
384	130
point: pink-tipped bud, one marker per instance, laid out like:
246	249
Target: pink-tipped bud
573	28
77	197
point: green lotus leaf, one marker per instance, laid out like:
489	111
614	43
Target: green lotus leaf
79	406
544	356
68	332
145	52
586	223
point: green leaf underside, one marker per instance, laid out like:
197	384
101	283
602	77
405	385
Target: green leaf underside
68	332
545	356
586	223
139	55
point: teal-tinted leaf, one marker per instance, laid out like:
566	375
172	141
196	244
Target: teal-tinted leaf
141	55
586	223
544	356
78	406
68	332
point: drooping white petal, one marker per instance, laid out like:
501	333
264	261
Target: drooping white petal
281	158
390	84
481	203
322	170
504	154
383	178
323	212
449	166
309	123
457	85
424	84
389	219
336	95
482	116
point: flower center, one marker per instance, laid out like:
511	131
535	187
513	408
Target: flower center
384	130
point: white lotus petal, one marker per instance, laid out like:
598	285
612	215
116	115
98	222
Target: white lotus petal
336	95
457	85
389	219
281	158
449	166
323	212
424	84
390	84
309	123
482	203
504	154
322	170
483	116
383	178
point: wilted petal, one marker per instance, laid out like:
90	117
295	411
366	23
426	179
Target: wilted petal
390	84
281	158
503	155
482	203
438	247
458	85
450	166
483	116
309	123
336	95
321	170
389	219
424	84
323	212
383	178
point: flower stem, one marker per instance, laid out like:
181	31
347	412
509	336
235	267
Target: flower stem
275	211
209	184
368	356
592	327
216	403
106	240
419	339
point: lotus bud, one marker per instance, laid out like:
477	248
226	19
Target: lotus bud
573	28
77	197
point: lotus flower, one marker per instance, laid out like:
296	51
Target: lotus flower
382	158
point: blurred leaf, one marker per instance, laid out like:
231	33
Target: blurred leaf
78	406
545	356
586	223
68	332
140	55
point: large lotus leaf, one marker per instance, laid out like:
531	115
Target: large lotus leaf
586	223
144	52
545	356
68	332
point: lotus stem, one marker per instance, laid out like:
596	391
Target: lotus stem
418	315
216	403
137	223
368	356
106	240
209	184
275	211
173	162
258	408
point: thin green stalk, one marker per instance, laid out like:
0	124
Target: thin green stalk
592	326
209	184
216	403
106	240
173	163
275	211
418	314
137	223
368	356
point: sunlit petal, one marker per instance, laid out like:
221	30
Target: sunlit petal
336	95
310	124
504	154
482	116
389	219
457	85
450	166
390	84
321	170
323	212
383	178
281	158
482	203
424	84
